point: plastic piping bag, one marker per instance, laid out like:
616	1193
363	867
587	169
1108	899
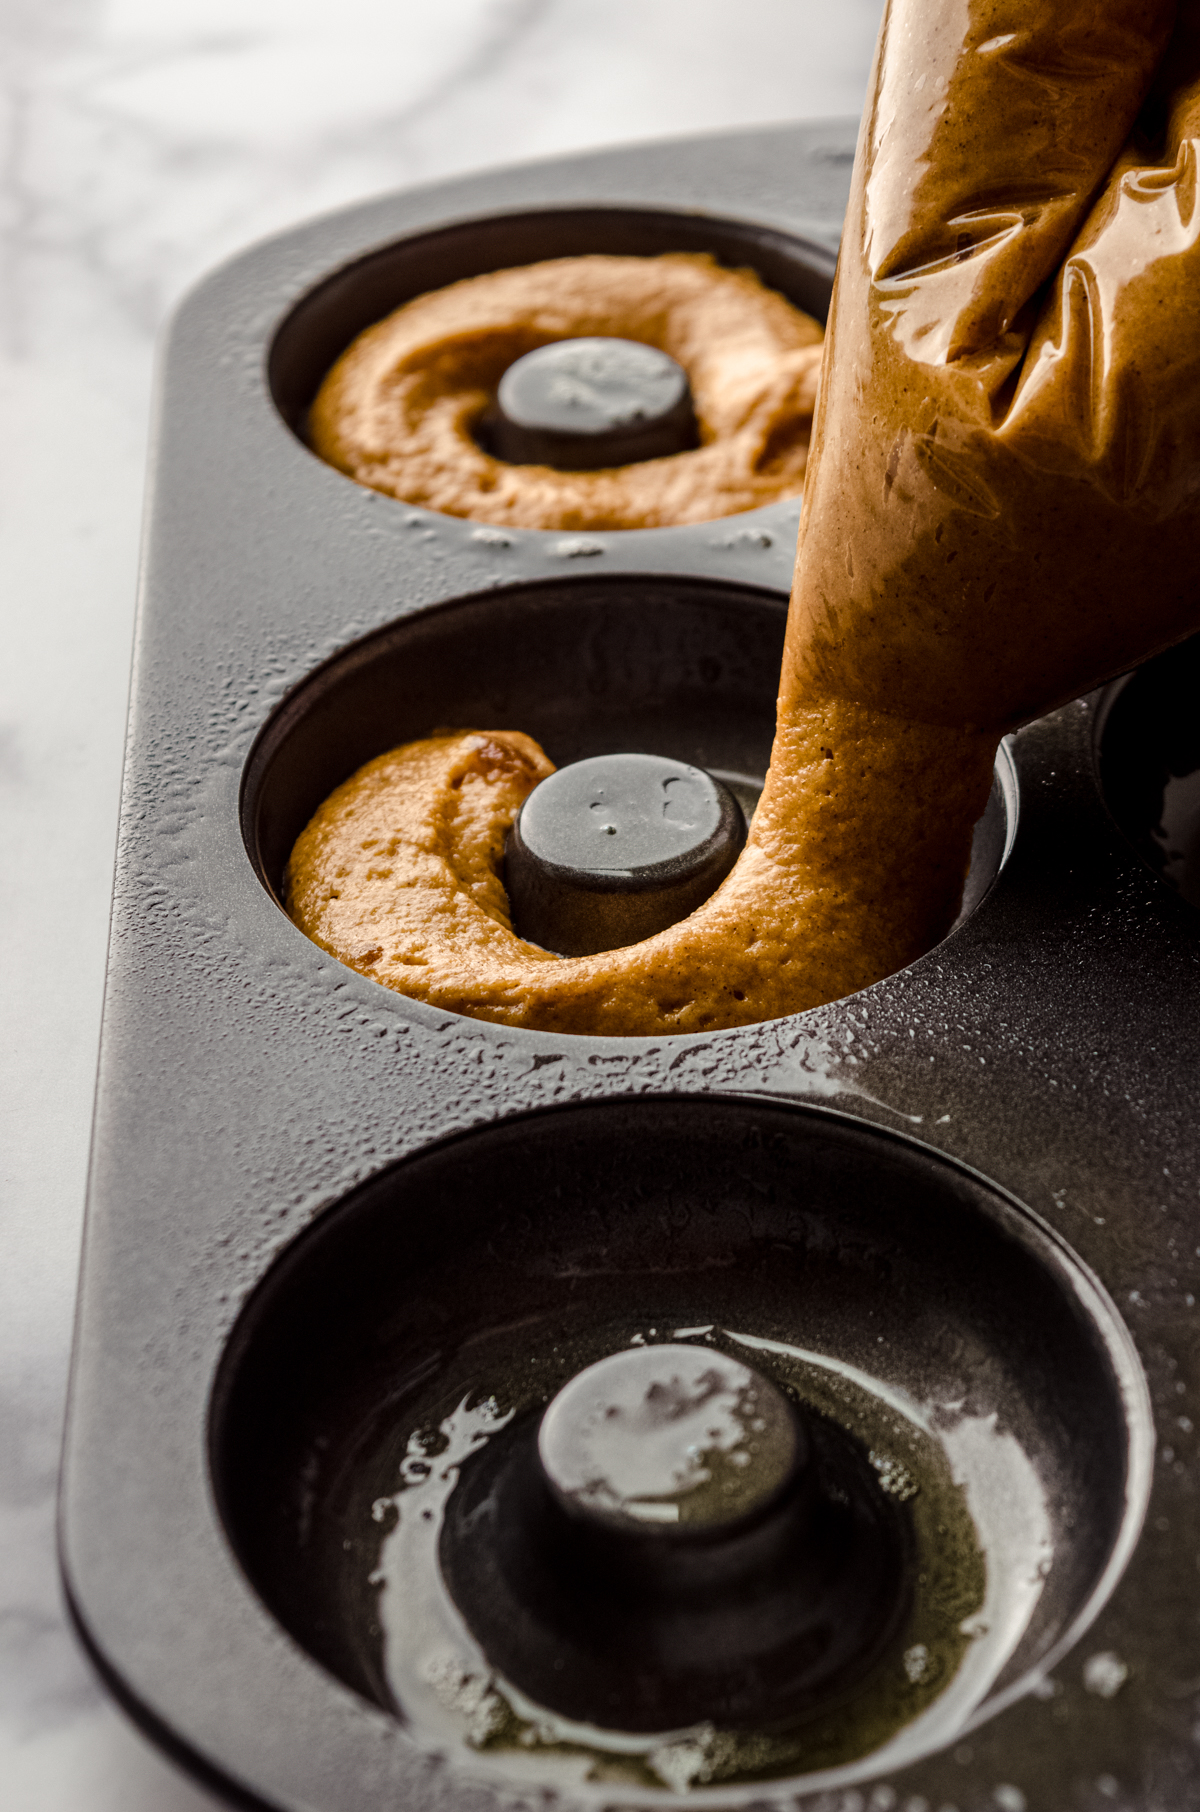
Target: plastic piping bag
1003	504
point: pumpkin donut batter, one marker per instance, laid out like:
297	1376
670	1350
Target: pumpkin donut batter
397	410
1003	510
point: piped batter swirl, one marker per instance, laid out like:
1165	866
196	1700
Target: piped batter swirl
398	411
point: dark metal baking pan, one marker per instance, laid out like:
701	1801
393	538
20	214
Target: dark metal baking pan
1031	1081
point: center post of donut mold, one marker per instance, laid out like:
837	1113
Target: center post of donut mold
608	851
677	1541
585	404
672	1439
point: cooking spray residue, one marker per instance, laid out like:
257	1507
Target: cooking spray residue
972	1599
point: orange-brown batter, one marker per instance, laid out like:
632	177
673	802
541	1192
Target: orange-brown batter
398	409
1003	509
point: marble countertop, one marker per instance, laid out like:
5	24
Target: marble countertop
142	144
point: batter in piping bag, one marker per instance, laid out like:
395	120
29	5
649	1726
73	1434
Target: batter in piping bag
1002	509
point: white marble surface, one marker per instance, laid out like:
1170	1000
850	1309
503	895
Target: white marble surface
143	140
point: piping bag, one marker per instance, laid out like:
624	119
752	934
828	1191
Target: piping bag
1005	487
1002	509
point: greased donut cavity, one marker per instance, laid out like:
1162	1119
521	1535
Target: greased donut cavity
398	410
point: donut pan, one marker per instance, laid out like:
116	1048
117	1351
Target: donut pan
967	1195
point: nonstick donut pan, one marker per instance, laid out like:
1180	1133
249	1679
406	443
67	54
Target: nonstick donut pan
342	1249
